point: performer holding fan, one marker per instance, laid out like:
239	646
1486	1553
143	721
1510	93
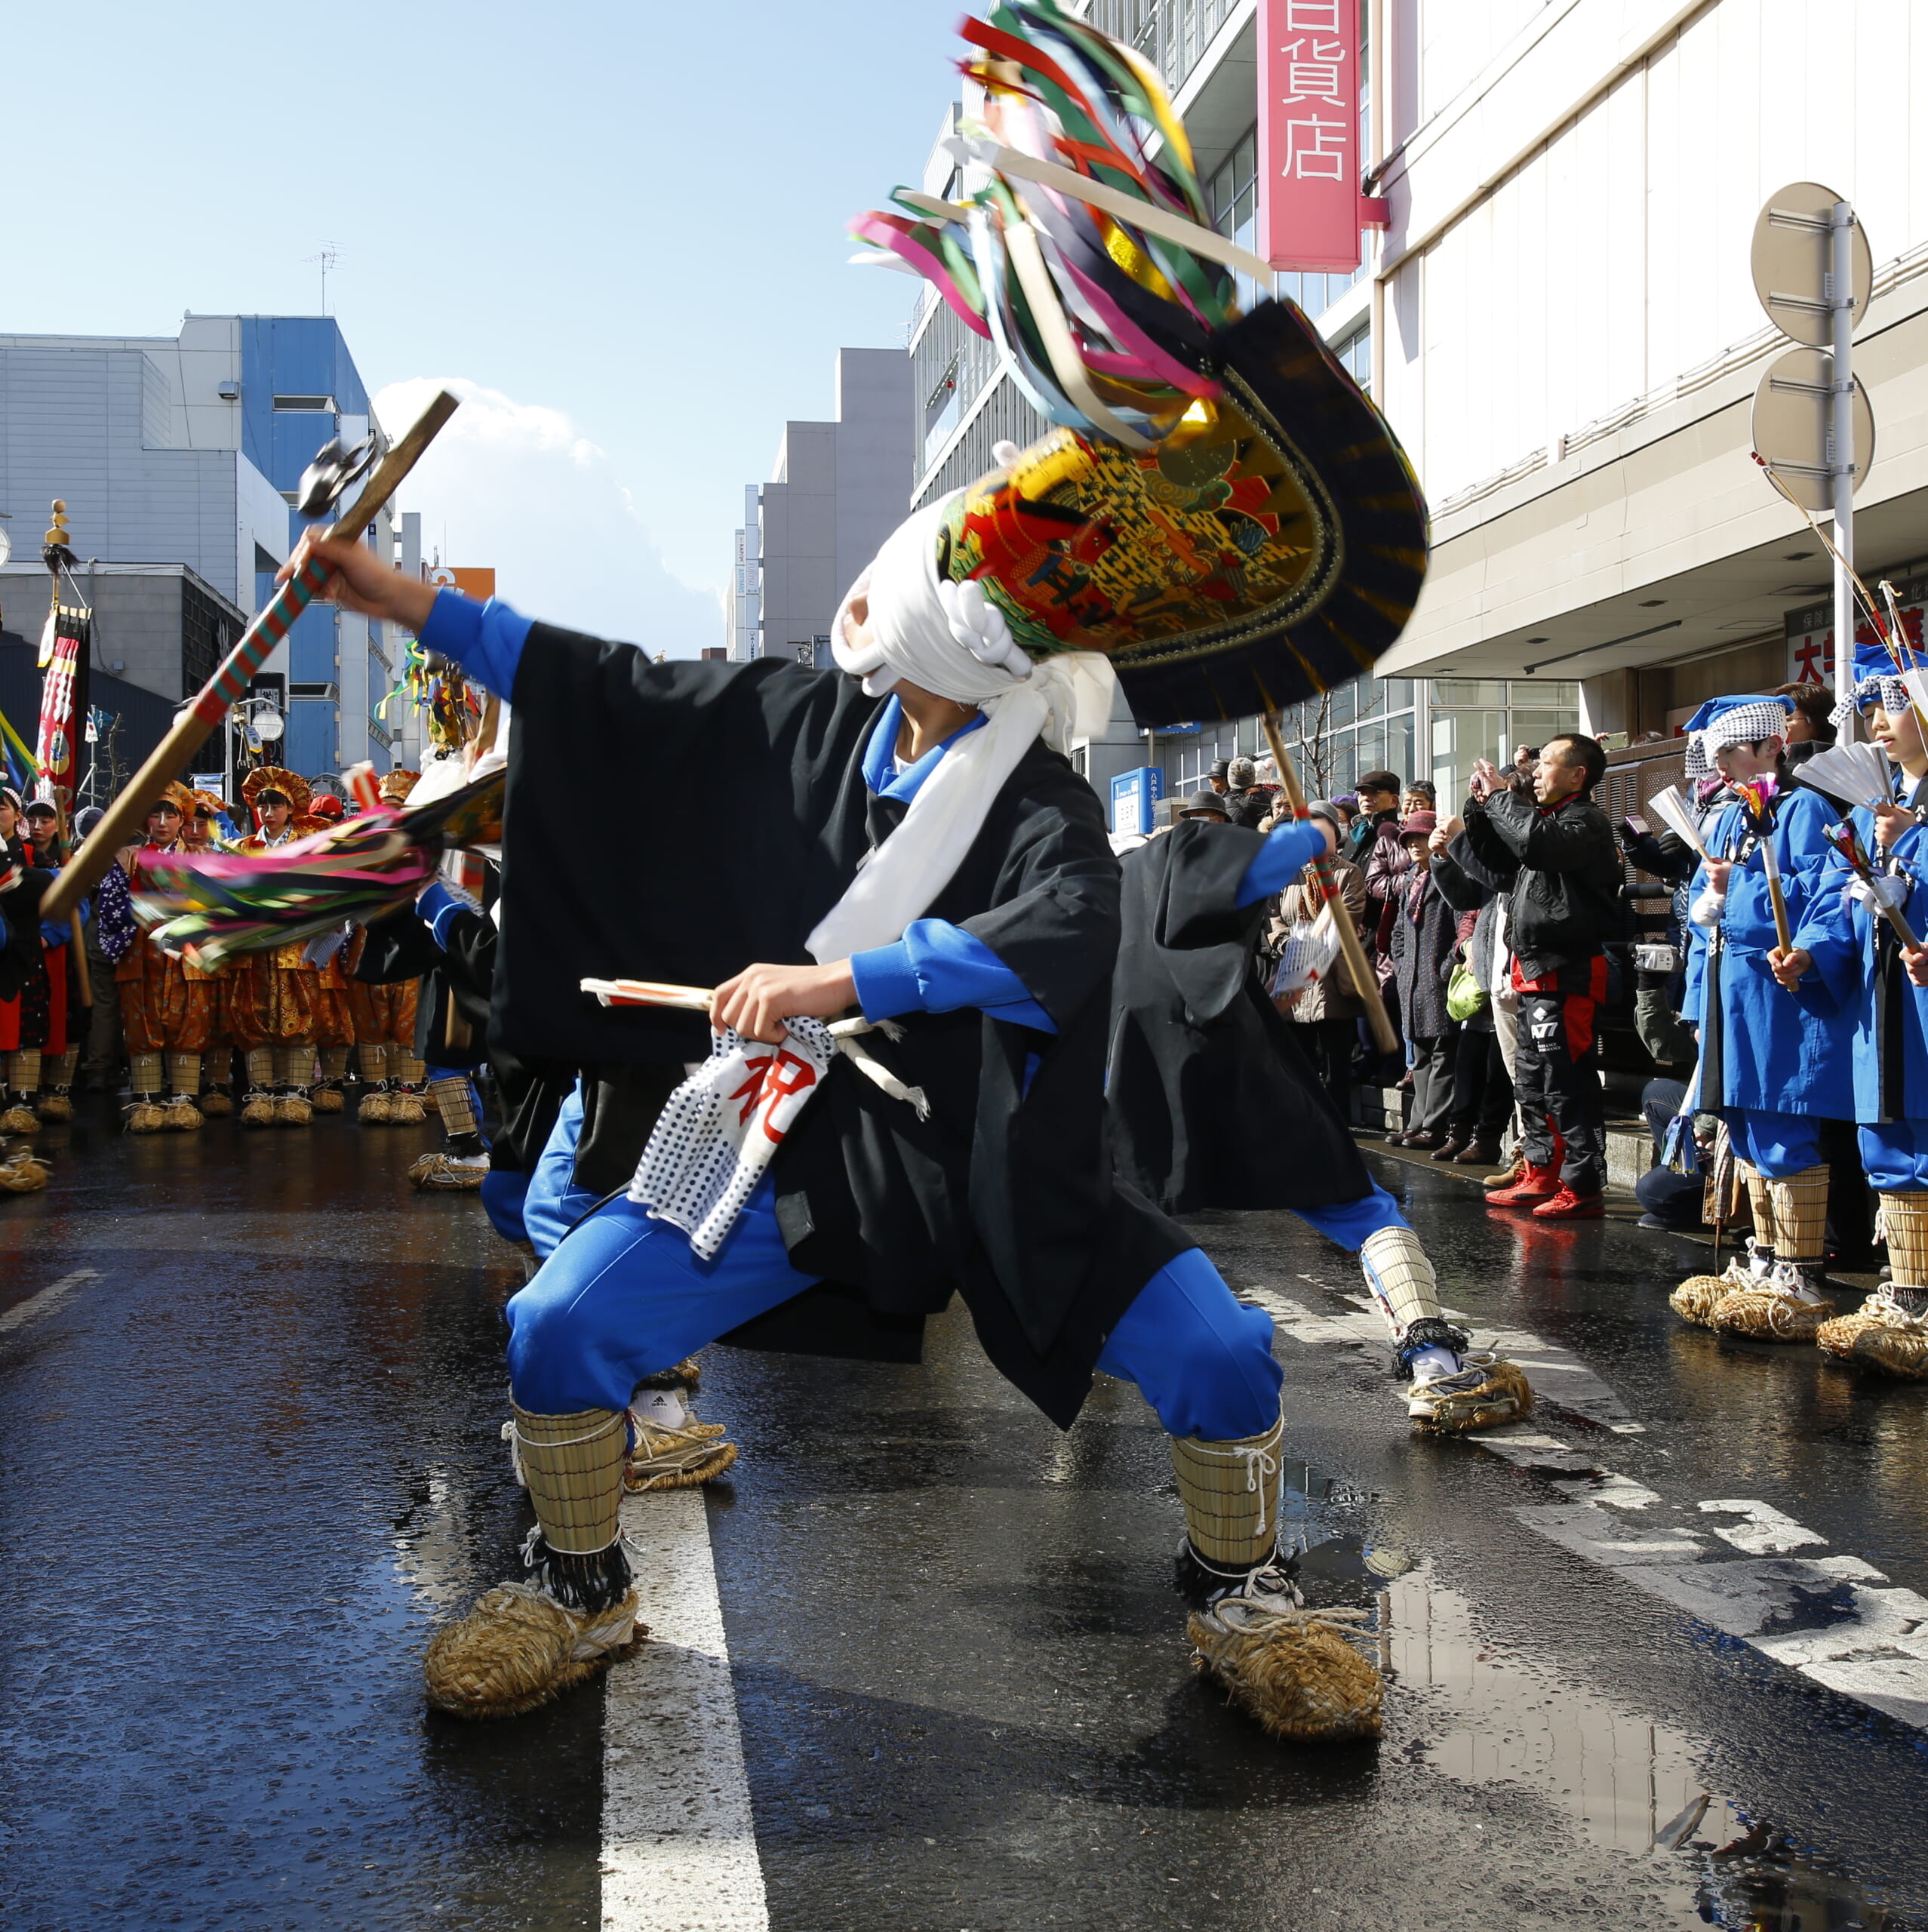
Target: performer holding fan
1222	522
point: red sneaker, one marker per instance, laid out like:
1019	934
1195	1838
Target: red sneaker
1568	1206
1535	1184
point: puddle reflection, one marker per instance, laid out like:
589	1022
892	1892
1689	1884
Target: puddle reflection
1498	1714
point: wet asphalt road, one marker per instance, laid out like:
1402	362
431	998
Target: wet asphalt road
250	1392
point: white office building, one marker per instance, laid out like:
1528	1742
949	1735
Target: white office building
1560	325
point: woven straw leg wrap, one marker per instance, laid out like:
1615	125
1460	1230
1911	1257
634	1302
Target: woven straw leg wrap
144	1075
334	1062
451	1096
1401	1277
405	1066
1760	1201
371	1058
184	1073
573	1466
63	1067
1905	1216
1230	1491
301	1067
1799	1208
24	1070
260	1067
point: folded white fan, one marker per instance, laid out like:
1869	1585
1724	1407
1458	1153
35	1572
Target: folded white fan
1674	813
1857	773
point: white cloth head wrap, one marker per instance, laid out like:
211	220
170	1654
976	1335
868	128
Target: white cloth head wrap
952	640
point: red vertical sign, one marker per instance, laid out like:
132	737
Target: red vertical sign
1308	133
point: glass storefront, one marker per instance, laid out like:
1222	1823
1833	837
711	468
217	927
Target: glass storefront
1380	724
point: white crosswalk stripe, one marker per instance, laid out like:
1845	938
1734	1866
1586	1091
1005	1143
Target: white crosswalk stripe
679	1842
44	1303
1835	1618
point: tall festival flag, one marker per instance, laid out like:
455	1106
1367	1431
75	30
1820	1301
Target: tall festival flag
63	668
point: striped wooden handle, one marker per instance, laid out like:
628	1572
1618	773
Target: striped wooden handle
127	814
1364	980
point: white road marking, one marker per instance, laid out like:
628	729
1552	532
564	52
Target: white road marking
46	1301
1558	1376
1835	1619
679	1851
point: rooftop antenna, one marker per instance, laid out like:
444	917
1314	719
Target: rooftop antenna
329	256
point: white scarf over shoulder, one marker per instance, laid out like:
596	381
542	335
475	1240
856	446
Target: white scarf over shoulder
951	639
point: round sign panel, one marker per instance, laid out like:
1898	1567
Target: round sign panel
1791	412
1793	245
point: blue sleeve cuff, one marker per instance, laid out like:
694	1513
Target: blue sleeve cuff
886	982
485	640
1287	851
938	967
436	907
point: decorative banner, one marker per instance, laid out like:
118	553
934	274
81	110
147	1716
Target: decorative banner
63	707
1308	133
1810	633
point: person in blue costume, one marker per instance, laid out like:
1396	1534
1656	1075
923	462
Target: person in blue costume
1213	1104
1847	940
1773	1066
908	824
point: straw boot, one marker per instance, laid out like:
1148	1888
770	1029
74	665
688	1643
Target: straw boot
326	1094
406	1072
21	1115
1290	1667
672	1447
180	1114
1789	1307
22	1171
371	1061
257	1105
216	1102
294	1074
145	1114
1696	1298
523	1643
56	1098
1888	1333
1452	1391
462	1161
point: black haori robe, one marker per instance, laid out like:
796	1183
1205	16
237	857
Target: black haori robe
680	822
1213	1103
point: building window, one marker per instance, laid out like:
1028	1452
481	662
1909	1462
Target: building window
1367	725
1355	351
1491	717
325	403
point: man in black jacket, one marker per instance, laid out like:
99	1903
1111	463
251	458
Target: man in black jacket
1563	900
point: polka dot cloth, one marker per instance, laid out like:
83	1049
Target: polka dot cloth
723	1126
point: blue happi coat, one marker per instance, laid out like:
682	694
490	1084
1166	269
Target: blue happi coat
1857	954
1763	1048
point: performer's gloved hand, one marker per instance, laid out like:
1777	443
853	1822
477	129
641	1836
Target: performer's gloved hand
1877	892
1915	959
756	1001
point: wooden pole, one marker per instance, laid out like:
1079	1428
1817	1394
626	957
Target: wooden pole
126	815
1364	980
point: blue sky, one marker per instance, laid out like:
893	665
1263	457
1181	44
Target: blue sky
620	227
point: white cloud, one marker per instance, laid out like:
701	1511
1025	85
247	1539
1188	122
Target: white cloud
514	484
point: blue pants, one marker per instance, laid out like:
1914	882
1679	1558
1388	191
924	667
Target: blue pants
553	1203
624	1297
503	1195
1780	1144
1895	1155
